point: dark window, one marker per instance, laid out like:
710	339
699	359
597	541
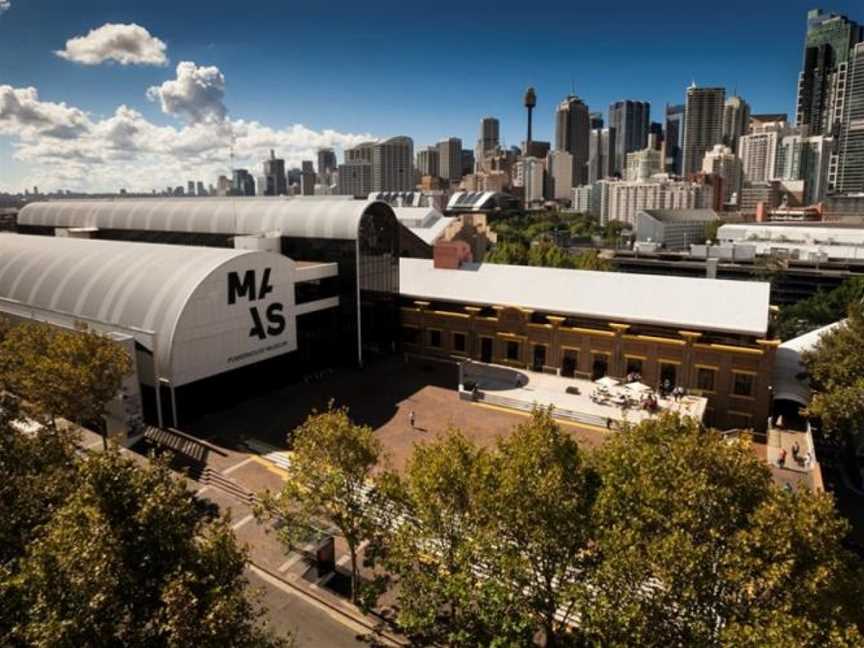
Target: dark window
512	350
705	379
569	364
435	338
410	335
634	365
743	383
459	342
668	374
600	366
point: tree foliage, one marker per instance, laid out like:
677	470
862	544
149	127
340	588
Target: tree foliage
696	546
326	484
821	309
836	371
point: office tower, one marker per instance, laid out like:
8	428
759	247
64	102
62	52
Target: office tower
276	183
655	129
307	181
808	159
489	139
595	120
307	166
393	165
850	174
450	159
630	120
242	183
360	153
467	162
428	162
223	186
559	170
758	152
190	187
536	148
736	121
822	83
674	140
703	125
199	188
530	101
601	154
571	134
354	179
721	161
531	176
326	163
293	176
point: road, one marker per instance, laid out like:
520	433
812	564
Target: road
312	624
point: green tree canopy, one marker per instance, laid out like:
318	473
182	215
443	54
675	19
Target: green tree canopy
696	546
821	309
327	483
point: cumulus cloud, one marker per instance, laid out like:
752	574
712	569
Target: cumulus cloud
22	113
4	5
124	44
196	95
69	149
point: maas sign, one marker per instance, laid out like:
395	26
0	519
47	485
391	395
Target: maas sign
264	322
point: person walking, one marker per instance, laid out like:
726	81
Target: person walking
781	460
412	418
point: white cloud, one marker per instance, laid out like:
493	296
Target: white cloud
4	5
125	44
196	94
68	149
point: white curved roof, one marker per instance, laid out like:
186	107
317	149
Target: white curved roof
134	285
790	381
333	219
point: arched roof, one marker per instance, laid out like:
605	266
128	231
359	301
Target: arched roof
295	217
133	285
790	379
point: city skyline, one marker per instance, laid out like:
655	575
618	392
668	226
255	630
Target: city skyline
166	113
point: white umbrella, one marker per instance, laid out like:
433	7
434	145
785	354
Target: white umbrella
606	381
639	388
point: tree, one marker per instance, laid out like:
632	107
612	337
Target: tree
509	253
129	558
327	483
68	374
433	547
536	507
591	260
835	367
821	309
547	254
696	546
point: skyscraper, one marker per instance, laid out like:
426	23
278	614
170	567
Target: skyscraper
242	183
489	139
703	127
360	153
450	159
850	176
595	120
821	85
393	165
601	154
758	152
559	165
467	162
631	120
736	121
674	140
275	182
571	135
427	162
326	163
722	161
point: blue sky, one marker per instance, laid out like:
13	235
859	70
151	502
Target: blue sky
420	69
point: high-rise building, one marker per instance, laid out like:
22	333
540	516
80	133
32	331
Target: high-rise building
360	153
326	164
190	188
559	173
354	179
450	159
427	162
631	120
199	189
655	130
641	165
393	165
850	167
822	83
489	139
601	154
275	181
531	176
721	161
736	121
617	200
673	143
242	183
595	120
808	159
758	152
223	186
571	135
703	125
467	162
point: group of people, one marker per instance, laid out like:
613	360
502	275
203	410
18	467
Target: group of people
668	391
803	461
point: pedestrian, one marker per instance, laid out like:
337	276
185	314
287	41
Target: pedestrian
608	423
796	449
807	459
412	418
781	460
